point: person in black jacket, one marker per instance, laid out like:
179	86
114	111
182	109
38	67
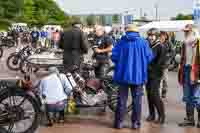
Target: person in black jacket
102	47
164	39
75	45
155	72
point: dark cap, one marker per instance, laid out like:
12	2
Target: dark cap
76	22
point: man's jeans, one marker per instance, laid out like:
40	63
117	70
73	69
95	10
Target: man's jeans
191	92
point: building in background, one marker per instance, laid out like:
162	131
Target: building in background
128	19
109	19
196	13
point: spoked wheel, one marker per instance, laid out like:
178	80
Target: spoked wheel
1	52
13	62
22	113
113	97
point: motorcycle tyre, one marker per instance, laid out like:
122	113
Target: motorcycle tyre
8	63
34	103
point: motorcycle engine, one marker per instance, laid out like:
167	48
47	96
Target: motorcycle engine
79	80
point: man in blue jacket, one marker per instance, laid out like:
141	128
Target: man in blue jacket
131	57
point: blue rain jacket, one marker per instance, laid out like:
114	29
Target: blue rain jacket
131	57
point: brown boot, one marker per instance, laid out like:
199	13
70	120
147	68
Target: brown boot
189	120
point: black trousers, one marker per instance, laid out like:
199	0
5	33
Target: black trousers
53	115
154	99
100	70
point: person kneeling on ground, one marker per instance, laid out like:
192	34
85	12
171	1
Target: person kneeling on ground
54	89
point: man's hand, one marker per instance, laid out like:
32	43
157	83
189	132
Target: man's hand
97	50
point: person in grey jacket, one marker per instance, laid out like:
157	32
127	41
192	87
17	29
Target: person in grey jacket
75	45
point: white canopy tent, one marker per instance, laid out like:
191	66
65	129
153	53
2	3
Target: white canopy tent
170	26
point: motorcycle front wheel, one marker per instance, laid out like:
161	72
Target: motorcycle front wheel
13	62
22	110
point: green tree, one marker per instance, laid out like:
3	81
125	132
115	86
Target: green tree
116	18
182	17
91	20
33	12
9	8
102	20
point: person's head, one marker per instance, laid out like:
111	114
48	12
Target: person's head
164	37
99	31
188	30
132	28
52	70
34	29
108	29
153	35
77	24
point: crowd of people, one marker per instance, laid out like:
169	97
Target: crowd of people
142	62
47	38
139	63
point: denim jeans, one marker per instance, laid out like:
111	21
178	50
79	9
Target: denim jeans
191	92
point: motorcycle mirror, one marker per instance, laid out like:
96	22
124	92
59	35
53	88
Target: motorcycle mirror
178	58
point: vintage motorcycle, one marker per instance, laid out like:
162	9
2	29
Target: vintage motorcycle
43	58
15	58
89	91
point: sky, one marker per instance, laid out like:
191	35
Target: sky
166	8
